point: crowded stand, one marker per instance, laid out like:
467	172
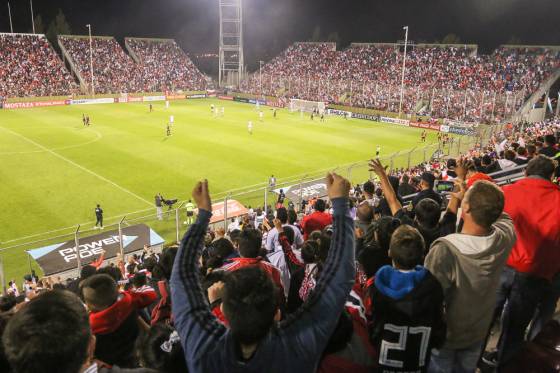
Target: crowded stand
357	280
164	66
114	71
440	81
29	67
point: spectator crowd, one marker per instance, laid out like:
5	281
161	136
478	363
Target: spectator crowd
440	81
358	281
114	71
30	67
164	66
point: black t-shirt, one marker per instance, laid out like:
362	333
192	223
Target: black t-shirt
492	167
406	189
549	151
98	211
446	225
405	330
427	193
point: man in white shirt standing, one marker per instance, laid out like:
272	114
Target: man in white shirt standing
272	243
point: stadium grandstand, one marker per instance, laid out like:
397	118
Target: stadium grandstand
443	81
372	207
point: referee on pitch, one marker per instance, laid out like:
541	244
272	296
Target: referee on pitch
98	217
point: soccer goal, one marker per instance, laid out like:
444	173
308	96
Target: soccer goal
307	106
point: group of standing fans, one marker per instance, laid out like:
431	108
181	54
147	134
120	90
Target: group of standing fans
30	67
162	65
440	81
362	281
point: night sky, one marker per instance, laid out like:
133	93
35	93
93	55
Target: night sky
271	25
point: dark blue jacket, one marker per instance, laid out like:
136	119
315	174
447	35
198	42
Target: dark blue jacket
293	345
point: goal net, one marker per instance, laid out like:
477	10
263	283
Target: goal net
307	106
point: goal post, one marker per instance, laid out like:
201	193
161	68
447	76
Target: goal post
297	105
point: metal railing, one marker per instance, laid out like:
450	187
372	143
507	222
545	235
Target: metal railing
173	221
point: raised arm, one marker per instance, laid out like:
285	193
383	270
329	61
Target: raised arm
286	247
390	194
311	326
196	325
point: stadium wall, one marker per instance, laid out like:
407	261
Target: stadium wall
27	103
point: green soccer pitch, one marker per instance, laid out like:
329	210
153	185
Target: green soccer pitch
53	170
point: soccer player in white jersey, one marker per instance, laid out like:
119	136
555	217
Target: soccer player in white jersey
250	127
261	116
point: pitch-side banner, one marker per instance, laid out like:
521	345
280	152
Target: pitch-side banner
153	98
400	122
429	126
271	103
374	118
175	97
32	104
462	131
309	189
341	113
93	101
62	257
234	209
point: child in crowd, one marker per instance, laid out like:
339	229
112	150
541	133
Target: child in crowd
407	300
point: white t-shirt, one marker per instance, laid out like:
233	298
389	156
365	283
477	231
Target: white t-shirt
171	119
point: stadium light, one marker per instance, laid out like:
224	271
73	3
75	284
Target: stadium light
91	60
403	69
260	73
32	20
10	15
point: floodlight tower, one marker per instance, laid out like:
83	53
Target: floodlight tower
231	42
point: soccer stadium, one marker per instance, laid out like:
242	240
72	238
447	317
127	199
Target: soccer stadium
275	186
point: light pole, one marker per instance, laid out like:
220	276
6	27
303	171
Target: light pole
32	20
260	75
403	68
91	59
10	15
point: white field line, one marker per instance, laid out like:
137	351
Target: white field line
78	166
97	138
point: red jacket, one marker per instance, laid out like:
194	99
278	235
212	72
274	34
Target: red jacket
359	356
111	318
534	206
272	271
315	222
